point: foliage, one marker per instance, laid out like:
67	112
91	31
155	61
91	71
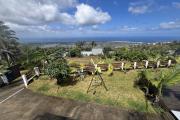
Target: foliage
145	85
161	51
75	52
59	70
168	78
8	41
130	55
163	78
106	51
80	44
110	69
35	55
31	56
93	44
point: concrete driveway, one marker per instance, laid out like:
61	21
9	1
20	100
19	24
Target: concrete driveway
27	105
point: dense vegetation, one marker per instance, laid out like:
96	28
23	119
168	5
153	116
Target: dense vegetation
147	52
8	43
59	70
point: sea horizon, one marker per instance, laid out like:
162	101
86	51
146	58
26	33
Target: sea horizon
129	39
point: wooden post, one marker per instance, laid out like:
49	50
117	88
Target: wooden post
158	64
135	65
4	78
122	66
36	70
25	80
146	64
169	63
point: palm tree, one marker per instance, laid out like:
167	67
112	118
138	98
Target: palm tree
80	44
8	43
168	79
9	56
156	90
93	44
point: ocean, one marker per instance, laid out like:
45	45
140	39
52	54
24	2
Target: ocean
141	39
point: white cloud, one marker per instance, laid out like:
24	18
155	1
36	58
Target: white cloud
33	28
176	4
45	18
87	15
128	29
141	7
170	25
41	12
33	12
138	9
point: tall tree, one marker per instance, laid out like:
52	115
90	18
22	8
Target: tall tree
8	42
93	44
80	44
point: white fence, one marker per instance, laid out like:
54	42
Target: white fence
26	80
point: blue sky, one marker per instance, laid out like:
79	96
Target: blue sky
35	19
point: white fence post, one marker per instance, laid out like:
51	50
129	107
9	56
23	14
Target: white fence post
25	80
122	66
146	64
4	78
169	63
158	64
135	65
36	70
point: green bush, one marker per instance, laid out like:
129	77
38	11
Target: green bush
59	70
130	55
75	52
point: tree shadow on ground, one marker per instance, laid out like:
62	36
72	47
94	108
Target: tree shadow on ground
70	81
150	90
50	116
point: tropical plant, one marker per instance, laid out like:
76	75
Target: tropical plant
145	85
8	42
59	70
106	51
168	78
131	55
164	78
80	44
93	44
110	70
75	52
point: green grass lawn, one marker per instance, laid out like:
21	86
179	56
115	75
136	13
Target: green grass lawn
121	91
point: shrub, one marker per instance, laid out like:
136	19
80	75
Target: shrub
145	84
75	52
59	70
131	55
106	52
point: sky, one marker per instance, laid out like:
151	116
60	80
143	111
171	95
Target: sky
38	19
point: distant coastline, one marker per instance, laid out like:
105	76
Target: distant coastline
136	39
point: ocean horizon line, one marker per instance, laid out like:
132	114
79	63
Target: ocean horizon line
154	39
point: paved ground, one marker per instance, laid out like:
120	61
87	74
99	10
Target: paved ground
27	105
10	89
171	97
